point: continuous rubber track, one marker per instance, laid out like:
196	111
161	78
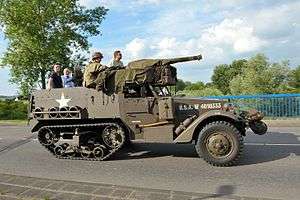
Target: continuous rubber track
109	151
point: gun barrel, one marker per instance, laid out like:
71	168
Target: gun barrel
181	59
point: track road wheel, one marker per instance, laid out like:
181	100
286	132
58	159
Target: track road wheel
59	150
85	152
113	136
220	144
46	137
98	152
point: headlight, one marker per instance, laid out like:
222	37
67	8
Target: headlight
229	107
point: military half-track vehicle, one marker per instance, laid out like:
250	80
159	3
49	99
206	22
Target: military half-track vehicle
135	102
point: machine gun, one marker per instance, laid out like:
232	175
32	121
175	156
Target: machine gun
181	59
146	63
155	72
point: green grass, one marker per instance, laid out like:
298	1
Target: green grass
13	122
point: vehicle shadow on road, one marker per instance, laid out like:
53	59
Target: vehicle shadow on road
150	150
273	146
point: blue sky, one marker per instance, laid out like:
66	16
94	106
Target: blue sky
220	30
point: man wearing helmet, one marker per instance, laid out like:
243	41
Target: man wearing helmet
92	70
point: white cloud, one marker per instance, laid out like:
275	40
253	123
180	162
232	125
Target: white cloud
94	3
236	33
136	48
213	5
277	21
231	36
118	3
142	2
171	47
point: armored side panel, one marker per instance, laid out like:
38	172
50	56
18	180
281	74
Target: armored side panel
74	103
149	118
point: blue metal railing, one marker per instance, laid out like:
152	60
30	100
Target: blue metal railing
272	105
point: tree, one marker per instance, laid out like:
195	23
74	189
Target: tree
220	78
261	77
259	62
195	86
180	85
295	78
223	74
43	32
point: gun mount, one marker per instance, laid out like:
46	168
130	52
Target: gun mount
144	72
145	63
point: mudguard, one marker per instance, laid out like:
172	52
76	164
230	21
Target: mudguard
35	125
187	135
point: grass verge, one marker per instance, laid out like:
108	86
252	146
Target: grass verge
13	122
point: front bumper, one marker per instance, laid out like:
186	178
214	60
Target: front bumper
253	119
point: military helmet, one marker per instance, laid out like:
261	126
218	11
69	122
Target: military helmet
97	55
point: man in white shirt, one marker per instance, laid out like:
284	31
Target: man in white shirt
116	61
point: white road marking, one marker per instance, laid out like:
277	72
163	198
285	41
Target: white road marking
267	144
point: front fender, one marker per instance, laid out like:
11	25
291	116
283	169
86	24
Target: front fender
187	135
35	125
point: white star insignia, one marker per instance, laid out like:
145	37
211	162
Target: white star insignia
62	101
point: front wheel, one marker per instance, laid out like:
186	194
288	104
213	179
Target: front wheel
220	144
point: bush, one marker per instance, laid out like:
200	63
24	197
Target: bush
12	110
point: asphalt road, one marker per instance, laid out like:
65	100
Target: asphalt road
270	166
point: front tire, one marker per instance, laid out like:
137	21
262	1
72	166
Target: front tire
220	144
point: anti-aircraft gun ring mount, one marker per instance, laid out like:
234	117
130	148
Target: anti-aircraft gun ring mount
135	103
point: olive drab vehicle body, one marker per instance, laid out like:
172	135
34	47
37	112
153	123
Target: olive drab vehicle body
135	103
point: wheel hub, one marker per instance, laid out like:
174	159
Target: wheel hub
218	144
112	137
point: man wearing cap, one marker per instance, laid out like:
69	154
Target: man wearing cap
92	70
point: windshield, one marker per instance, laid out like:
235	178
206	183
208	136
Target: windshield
162	91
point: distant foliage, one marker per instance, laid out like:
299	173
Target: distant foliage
261	77
12	110
195	86
294	80
43	32
180	85
201	93
256	76
223	74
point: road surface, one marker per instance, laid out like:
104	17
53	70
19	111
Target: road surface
270	167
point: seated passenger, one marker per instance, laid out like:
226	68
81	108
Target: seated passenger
67	79
92	70
116	61
77	76
55	80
